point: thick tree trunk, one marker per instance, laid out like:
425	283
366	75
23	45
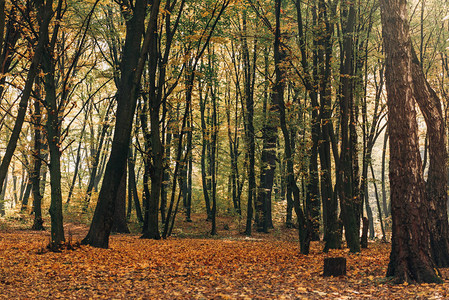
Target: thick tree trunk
131	70
410	257
436	185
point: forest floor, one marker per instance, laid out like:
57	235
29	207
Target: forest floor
193	265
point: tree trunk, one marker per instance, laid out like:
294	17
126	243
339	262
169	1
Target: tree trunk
78	157
349	198
26	195
189	171
97	155
2	197
132	65
379	210
45	17
386	207
268	158
132	186
436	185
213	156
410	257
119	223
166	174
37	159
248	114
53	139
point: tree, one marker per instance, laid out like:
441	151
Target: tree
410	257
131	67
348	164
37	159
44	15
248	109
436	184
53	126
157	96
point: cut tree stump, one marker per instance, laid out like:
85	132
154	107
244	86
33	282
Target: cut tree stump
334	266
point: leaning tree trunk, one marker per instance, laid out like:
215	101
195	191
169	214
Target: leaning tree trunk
132	65
436	185
45	18
410	257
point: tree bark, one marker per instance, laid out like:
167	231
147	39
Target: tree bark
119	223
248	114
410	257
349	198
37	158
53	127
132	65
436	185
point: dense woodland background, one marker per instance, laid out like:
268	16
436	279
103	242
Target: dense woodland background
140	112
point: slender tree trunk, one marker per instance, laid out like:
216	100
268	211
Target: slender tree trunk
189	171
385	205
78	158
97	155
37	165
53	138
349	199
248	112
205	145
2	197
132	186
379	210
166	174
45	15
26	195
312	191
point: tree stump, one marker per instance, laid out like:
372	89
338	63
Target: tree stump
334	266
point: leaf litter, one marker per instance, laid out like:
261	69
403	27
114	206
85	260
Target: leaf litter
195	268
